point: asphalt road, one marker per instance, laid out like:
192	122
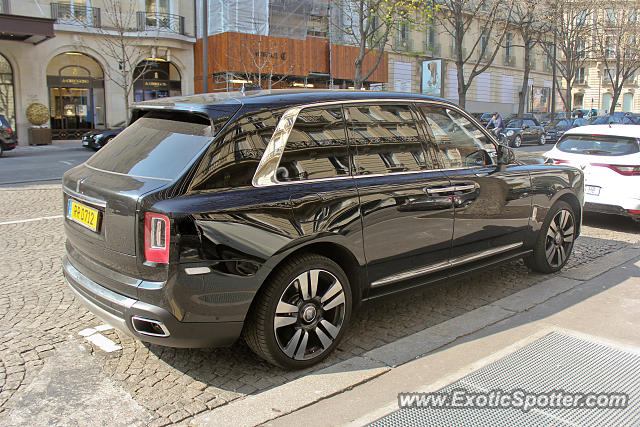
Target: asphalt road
30	165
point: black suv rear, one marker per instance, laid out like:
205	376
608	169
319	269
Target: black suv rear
273	215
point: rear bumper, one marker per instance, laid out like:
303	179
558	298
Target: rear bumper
118	310
8	144
608	209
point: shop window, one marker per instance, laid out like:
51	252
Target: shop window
76	94
7	104
156	79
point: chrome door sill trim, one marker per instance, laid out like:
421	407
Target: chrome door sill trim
444	265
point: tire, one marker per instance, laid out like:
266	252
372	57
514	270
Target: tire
555	240
293	326
542	140
517	141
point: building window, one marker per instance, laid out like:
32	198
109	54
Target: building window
606	101
580	75
508	46
484	45
76	94
156	79
610	48
610	15
627	102
7	103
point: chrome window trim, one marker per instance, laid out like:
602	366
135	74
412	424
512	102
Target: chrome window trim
444	265
265	174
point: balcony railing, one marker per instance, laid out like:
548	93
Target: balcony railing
433	50
403	44
510	60
160	22
71	14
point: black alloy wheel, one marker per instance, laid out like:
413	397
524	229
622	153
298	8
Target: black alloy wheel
300	315
555	240
517	141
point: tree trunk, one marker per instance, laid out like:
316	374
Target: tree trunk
462	88
525	82
614	99
357	78
568	100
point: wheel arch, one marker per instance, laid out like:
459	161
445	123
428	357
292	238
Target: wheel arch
334	251
573	201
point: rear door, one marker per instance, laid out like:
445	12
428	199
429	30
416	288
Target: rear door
315	168
407	213
492	205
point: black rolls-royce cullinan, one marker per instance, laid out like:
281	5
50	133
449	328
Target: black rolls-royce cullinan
271	215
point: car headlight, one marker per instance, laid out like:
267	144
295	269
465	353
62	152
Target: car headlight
99	136
509	132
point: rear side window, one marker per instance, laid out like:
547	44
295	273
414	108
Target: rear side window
598	145
232	160
316	147
385	138
153	147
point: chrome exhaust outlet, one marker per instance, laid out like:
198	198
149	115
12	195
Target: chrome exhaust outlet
149	327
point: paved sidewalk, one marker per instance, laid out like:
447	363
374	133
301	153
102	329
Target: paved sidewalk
598	303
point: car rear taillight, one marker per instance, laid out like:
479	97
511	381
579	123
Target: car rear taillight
621	169
156	237
633	211
9	130
559	162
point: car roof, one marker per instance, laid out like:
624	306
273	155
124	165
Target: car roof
276	97
631	131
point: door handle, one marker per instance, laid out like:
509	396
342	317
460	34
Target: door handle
439	191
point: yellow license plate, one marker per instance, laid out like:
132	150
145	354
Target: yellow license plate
83	215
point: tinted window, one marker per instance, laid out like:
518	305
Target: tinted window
316	147
232	160
514	123
598	145
154	147
530	123
460	142
4	122
385	138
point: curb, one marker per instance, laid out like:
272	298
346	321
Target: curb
305	391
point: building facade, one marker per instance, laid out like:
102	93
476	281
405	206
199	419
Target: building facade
70	66
291	43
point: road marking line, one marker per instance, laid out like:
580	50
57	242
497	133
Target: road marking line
86	332
103	328
31	219
66	163
103	342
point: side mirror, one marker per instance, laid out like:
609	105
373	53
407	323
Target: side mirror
506	156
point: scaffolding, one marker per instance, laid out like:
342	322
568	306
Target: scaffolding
281	18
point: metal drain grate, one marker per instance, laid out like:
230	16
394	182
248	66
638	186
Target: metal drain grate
554	362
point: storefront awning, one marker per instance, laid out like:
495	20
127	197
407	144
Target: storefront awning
26	29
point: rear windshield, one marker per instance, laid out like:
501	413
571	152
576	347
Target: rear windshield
153	147
598	145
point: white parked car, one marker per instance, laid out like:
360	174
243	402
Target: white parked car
609	155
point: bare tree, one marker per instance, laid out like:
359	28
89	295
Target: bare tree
121	46
480	24
529	19
572	22
369	24
617	45
259	61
